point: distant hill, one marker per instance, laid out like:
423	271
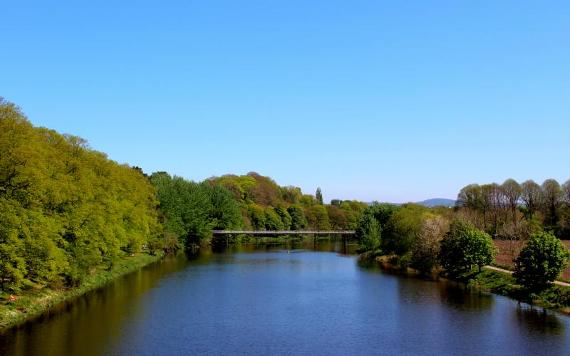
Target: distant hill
437	202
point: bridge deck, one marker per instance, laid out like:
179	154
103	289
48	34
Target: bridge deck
281	232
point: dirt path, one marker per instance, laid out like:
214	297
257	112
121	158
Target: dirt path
559	283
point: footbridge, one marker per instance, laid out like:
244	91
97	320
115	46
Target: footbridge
264	233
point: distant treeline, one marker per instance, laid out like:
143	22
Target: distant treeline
514	211
67	211
189	211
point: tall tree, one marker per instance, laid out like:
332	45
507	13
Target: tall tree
512	192
551	198
470	197
531	195
319	196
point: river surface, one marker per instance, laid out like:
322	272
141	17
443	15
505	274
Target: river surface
270	300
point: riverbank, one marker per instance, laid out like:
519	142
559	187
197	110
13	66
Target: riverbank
31	304
492	280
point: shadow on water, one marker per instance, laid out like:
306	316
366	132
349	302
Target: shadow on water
412	288
539	320
98	314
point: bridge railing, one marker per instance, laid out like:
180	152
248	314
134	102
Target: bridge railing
283	232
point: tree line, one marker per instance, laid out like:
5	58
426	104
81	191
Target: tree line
514	211
458	241
264	205
67	211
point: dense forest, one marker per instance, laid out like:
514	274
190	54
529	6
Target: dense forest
65	209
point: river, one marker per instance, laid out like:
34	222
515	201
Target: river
273	299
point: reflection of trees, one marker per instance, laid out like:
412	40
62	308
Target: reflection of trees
459	297
91	323
538	320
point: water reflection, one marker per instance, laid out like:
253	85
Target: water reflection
539	320
286	299
457	296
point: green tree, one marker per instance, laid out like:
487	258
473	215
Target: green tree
541	261
369	233
317	217
464	247
284	216
298	220
224	211
272	220
257	216
405	224
72	208
338	217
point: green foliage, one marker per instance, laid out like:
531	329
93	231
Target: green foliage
541	261
298	220
191	210
255	193
368	233
257	216
464	247
317	217
64	208
272	220
224	211
12	262
284	216
338	217
405	225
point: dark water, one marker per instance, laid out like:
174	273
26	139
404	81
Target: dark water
268	301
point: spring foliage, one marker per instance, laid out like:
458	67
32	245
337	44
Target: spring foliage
540	261
465	247
65	209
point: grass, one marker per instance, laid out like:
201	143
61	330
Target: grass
33	303
555	297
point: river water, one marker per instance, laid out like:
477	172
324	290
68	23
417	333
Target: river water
272	299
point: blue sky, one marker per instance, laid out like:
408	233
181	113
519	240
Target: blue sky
372	100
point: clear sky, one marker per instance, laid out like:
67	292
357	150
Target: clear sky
373	100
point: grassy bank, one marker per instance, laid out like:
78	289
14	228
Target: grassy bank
555	298
32	303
